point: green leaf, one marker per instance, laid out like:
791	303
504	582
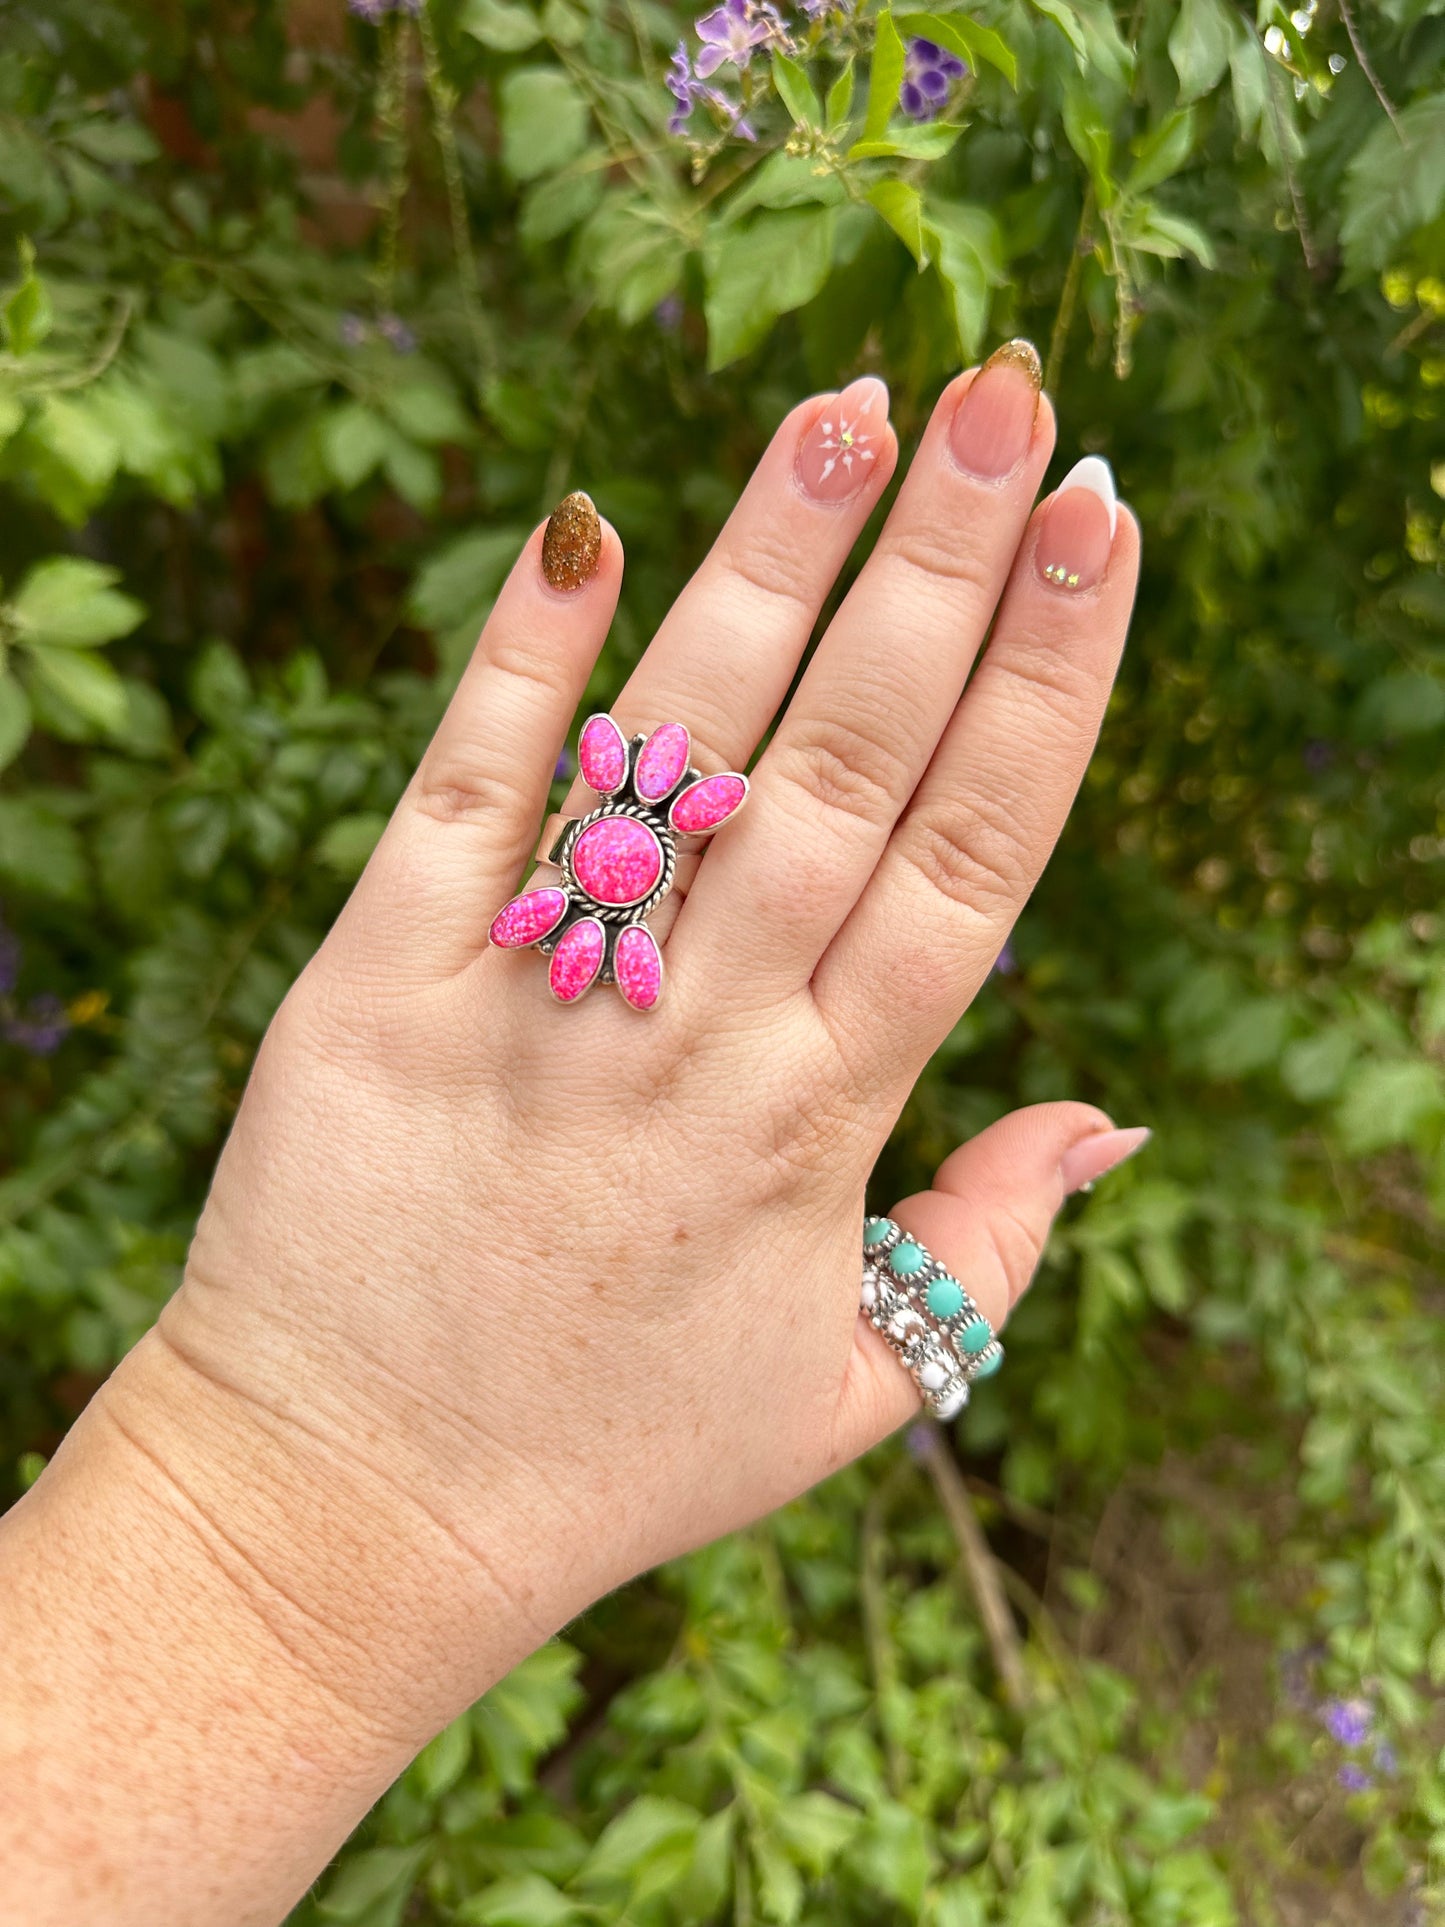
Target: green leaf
968	257
526	1714
652	1829
910	140
1200	43
508	27
528	1900
373	1887
115	143
1154	231
780	1886
67	602
1406	703
27	312
1091	139
86	682
14	718
346	846
902	208
1394	185
776	263
443	1760
786	180
353	441
1162	151
1067	21
554	206
816	1828
840	97
796	91
426	409
1388	1103
972	42
40	851
891	1856
885	76
544	122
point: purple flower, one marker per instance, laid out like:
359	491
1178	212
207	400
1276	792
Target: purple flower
392	328
1348	1721
42	1028
1354	1779
668	313
375	11
563	769
352	330
687	90
928	73
1387	1760
1005	963
731	31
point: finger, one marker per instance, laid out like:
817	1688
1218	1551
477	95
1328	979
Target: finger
982	823
987	1218
883	682
726	655
456	846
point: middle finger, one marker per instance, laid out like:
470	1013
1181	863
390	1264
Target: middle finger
885	679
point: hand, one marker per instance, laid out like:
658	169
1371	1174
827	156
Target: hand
497	1302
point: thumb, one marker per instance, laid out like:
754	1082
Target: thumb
986	1218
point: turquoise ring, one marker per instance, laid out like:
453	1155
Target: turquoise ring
933	1325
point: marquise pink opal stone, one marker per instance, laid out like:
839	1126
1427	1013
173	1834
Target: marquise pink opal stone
602	755
661	762
617	860
638	966
703	806
576	960
528	917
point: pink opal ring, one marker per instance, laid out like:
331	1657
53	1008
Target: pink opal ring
618	862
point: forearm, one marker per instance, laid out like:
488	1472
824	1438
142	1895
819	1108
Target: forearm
210	1664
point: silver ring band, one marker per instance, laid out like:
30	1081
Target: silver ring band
931	1323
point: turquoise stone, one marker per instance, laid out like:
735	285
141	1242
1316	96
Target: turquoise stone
875	1232
906	1258
945	1297
975	1336
990	1365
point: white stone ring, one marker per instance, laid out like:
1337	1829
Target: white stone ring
931	1323
618	862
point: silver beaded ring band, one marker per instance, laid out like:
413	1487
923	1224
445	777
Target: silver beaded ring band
926	1316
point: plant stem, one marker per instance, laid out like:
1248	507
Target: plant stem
442	96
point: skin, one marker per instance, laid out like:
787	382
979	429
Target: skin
495	1303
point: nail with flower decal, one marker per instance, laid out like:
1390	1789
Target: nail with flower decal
840	451
618	862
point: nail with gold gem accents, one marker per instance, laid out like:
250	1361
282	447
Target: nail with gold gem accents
572	545
1076	529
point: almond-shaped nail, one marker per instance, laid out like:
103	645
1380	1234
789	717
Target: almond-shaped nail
994	423
1092	1156
572	545
1076	530
840	451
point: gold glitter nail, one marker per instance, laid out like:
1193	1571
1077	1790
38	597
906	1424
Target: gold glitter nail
1019	354
572	545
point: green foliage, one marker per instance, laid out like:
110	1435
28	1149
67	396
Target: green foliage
305	322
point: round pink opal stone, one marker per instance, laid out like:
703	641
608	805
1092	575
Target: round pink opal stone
576	960
617	860
602	755
703	806
528	917
638	967
661	762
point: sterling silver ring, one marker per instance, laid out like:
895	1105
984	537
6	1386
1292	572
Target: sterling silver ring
932	1324
618	862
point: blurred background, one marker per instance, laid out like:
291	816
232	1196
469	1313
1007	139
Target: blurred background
309	313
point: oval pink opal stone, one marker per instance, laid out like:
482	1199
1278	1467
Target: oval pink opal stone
702	806
528	917
637	964
602	755
617	860
576	960
661	762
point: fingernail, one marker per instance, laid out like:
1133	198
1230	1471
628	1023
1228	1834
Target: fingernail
994	423
840	451
572	545
1092	1156
1076	532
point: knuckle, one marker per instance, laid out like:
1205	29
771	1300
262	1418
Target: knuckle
534	664
455	788
767	561
936	553
844	769
973	855
1052	681
1017	1244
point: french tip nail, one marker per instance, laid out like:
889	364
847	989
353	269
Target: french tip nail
1095	474
572	542
1019	353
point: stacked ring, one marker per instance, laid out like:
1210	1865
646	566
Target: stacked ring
926	1316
